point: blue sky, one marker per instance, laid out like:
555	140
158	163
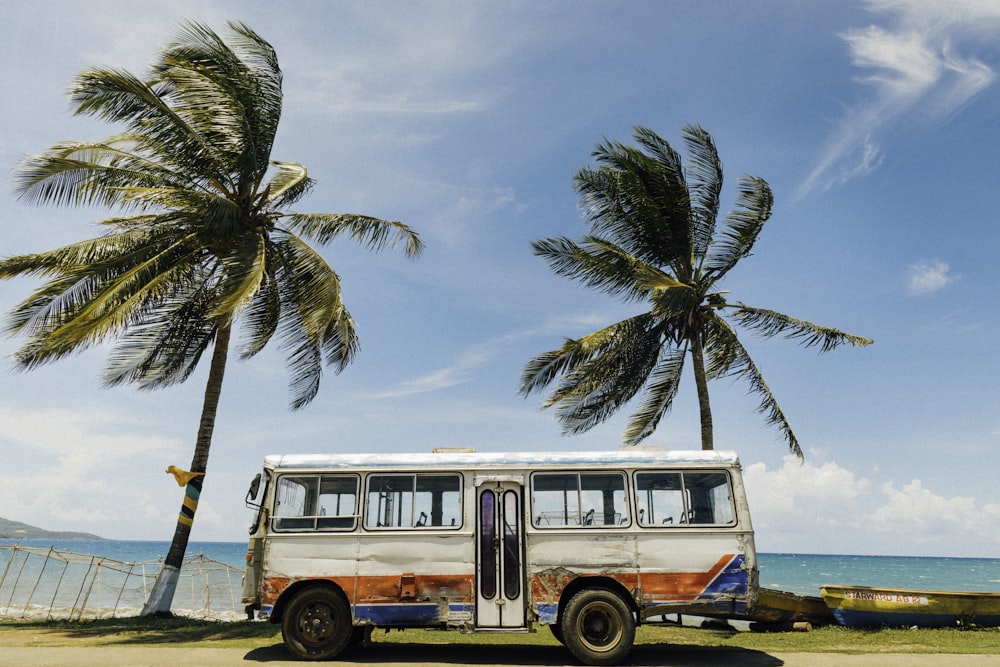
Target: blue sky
874	123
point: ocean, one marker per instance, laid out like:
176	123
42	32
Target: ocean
87	579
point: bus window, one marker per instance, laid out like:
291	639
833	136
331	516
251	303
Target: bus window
710	497
660	498
414	501
316	502
674	498
578	499
338	500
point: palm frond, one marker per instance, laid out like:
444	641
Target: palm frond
722	347
742	225
92	302
232	95
309	286
340	340
658	396
81	271
596	373
313	319
243	270
724	343
373	233
262	315
639	202
597	389
542	369
165	348
156	126
769	323
601	264
288	184
704	178
86	173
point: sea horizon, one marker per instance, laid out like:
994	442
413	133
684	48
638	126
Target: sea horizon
5	541
799	573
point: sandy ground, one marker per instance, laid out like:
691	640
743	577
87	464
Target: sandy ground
449	656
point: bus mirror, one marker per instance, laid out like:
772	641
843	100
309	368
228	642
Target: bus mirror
254	488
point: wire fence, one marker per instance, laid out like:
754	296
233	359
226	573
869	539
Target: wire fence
45	583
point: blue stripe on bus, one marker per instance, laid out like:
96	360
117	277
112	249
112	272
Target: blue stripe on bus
733	580
411	613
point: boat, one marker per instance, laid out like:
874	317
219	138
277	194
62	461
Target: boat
868	607
781	607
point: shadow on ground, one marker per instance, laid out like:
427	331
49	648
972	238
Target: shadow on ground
665	655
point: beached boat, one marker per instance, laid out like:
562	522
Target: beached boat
861	606
775	606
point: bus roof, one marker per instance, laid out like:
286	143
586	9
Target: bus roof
467	458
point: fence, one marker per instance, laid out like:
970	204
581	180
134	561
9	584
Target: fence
45	583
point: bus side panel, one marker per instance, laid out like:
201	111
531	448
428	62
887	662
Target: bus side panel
664	571
695	571
291	558
555	558
415	579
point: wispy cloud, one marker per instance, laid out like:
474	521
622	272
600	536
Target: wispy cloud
921	66
928	276
458	373
480	355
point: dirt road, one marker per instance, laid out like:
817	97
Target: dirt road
388	655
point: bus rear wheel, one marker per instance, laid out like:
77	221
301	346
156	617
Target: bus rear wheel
317	624
598	627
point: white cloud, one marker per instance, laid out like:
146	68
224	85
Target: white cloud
829	509
921	66
73	470
917	512
928	276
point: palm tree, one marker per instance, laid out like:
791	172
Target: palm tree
205	241
653	238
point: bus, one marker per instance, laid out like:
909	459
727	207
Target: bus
590	544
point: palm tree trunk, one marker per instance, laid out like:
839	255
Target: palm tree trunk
701	382
162	594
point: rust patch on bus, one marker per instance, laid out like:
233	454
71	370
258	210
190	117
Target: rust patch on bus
272	588
547	585
409	586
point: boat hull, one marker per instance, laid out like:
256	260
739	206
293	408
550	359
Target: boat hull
867	607
775	606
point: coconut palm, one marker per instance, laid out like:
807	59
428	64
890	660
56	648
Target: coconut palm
654	238
205	242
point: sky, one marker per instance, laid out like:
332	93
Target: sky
875	123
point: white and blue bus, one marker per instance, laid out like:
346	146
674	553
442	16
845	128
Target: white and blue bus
591	544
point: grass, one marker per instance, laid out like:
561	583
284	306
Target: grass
178	631
175	630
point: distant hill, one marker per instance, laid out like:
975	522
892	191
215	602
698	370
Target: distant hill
22	531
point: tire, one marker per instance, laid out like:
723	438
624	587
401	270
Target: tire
317	624
598	627
557	633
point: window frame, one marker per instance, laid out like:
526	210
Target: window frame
624	519
320	523
686	522
414	511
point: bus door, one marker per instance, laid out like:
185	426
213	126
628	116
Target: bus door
500	595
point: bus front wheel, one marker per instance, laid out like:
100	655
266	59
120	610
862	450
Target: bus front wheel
598	627
317	624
